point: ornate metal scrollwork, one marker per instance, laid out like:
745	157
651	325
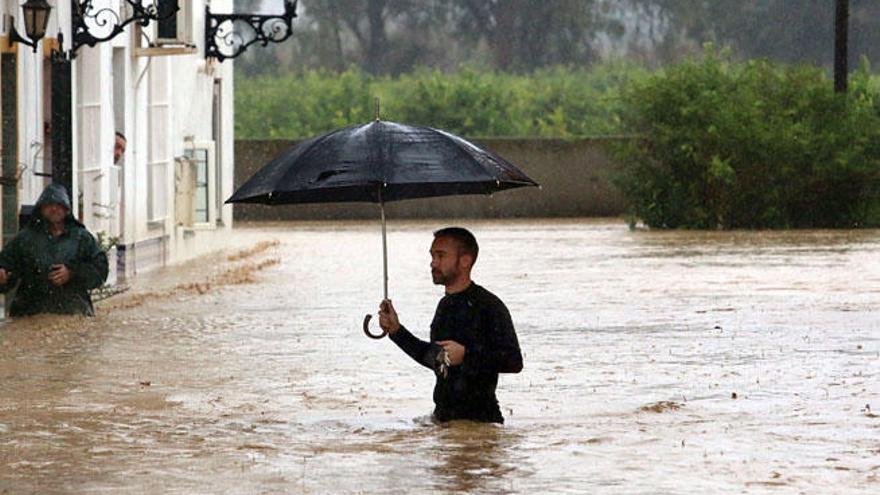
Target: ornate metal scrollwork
96	21
14	37
229	35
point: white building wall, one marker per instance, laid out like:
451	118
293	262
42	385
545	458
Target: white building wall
31	143
196	100
94	134
164	106
34	150
135	160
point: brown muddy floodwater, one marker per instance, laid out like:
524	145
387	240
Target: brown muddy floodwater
655	362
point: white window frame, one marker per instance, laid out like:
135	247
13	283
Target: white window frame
88	136
147	43
184	35
159	158
211	182
88	103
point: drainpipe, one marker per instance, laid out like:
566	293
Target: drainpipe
62	123
841	52
9	112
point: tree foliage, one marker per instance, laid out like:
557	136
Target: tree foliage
523	34
788	31
555	102
751	145
393	36
390	37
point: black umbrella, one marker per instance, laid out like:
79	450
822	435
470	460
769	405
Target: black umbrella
379	162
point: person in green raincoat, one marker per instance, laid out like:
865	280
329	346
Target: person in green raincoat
54	261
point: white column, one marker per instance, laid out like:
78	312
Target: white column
30	121
95	135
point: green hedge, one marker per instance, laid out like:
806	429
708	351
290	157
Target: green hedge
751	145
556	102
722	144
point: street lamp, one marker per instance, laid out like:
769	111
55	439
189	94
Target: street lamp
229	35
36	18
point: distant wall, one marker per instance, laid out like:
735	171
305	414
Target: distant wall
574	177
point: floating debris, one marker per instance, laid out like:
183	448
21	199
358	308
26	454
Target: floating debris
247	253
106	291
237	275
662	406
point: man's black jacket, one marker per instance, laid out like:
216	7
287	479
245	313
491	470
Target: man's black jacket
478	320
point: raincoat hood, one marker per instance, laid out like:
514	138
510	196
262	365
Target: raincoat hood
54	193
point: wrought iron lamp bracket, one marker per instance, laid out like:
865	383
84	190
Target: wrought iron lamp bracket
222	41
94	21
14	37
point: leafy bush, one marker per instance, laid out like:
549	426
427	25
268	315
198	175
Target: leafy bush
557	102
751	145
721	144
270	107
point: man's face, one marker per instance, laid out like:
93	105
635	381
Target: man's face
446	262
118	149
53	212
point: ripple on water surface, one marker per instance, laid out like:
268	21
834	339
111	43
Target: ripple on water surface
680	362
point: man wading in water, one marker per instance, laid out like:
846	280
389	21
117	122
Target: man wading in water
54	261
472	335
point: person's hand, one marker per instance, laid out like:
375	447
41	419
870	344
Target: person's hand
4	276
388	317
59	275
454	350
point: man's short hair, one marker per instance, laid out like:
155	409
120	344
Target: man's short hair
119	134
467	243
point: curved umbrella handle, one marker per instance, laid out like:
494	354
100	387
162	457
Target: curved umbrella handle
367	329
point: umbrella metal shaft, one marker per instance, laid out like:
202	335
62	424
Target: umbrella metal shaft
384	247
384	270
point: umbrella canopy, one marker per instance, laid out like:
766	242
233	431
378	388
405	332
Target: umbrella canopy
376	163
379	162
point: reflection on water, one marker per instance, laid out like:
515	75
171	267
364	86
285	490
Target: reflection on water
656	362
474	458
